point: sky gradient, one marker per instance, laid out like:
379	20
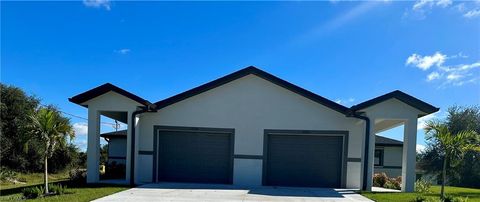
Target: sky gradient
348	52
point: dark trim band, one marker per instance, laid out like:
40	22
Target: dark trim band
389	167
354	159
117	157
243	156
145	152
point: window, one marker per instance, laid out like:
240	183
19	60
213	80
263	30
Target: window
378	157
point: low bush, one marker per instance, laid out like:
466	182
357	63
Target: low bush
7	174
450	198
379	179
78	176
33	192
422	186
393	183
114	170
57	189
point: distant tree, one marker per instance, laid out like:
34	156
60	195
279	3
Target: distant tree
466	172
451	147
15	108
52	130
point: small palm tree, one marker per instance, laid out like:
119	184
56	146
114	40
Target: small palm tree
452	146
52	130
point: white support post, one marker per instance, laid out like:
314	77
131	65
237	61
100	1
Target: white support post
129	147
409	155
137	148
371	151
93	146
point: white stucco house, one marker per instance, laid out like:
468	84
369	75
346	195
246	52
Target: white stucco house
251	128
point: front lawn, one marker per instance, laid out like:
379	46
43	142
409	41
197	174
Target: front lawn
75	191
472	194
29	179
80	193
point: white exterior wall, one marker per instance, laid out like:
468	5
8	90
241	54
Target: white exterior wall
392	156
117	147
249	105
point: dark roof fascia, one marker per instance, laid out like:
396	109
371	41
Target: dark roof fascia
399	95
100	90
260	73
115	134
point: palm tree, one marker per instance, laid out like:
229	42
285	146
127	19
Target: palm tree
52	130
451	146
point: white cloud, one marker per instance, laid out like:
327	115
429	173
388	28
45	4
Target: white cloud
422	122
444	3
420	4
348	101
123	51
456	74
80	128
472	13
419	10
420	148
432	76
97	3
425	62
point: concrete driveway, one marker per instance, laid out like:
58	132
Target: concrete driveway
212	192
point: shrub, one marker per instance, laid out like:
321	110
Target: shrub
7	174
57	189
114	170
33	192
78	175
379	179
420	198
393	183
422	186
450	198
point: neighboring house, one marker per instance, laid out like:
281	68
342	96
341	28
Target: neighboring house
117	146
388	156
251	128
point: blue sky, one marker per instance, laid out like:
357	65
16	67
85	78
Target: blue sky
348	52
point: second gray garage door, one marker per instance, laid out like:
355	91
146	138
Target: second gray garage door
199	155
304	160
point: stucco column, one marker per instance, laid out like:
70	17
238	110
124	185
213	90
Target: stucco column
137	148
371	151
93	146
129	146
409	155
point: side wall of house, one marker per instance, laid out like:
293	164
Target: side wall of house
250	105
117	150
392	161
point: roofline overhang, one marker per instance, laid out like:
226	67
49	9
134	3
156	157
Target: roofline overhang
81	98
401	96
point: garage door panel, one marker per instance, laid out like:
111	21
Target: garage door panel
201	157
304	160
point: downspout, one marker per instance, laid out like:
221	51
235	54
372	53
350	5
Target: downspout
149	108
367	144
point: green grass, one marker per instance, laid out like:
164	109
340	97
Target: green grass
84	193
33	179
75	191
472	194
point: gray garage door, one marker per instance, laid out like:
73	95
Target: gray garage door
304	160
195	156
